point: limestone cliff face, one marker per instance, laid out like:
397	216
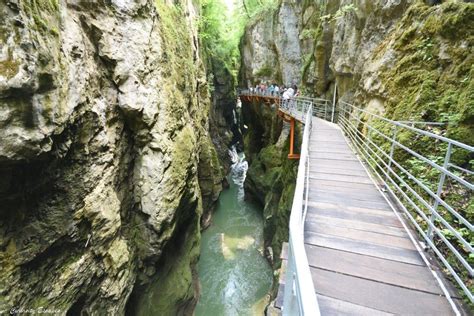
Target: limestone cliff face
104	149
223	117
405	58
270	48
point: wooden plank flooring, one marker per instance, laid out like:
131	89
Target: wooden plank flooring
361	258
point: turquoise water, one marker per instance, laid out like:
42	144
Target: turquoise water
234	276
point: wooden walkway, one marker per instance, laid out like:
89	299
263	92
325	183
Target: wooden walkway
361	258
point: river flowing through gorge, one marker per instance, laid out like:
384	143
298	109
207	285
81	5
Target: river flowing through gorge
235	277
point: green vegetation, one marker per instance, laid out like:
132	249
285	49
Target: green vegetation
412	194
265	71
44	14
432	81
9	68
221	27
341	12
177	41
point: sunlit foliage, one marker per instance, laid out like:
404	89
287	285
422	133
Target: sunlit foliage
222	24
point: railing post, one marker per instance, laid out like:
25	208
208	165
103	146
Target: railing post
392	150
334	102
442	178
342	111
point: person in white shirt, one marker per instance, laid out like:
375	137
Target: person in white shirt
289	93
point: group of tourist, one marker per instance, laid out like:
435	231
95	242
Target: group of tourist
275	90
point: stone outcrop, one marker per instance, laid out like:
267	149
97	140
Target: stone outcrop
105	154
223	117
224	131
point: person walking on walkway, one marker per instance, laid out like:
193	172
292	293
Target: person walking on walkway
289	93
271	89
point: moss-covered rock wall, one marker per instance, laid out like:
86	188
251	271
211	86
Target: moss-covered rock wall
405	59
271	177
410	60
106	160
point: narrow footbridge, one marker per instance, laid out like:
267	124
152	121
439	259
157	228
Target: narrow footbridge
376	228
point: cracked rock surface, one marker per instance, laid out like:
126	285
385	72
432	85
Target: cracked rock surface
104	148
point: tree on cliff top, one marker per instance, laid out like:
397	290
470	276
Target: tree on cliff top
222	24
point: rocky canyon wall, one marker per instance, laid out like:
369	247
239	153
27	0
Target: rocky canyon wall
270	47
106	162
407	59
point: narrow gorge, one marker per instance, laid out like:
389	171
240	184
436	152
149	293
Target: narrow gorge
124	146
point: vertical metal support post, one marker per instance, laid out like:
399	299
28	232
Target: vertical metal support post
292	136
360	143
442	178
334	102
367	141
392	149
292	154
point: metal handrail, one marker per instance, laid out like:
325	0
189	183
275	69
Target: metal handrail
417	130
359	139
300	297
418	182
295	106
413	220
415	196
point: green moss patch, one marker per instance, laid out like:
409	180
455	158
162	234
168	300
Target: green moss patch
433	78
44	15
9	68
265	71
